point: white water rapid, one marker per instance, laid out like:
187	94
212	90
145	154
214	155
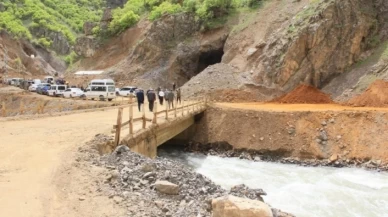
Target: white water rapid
302	191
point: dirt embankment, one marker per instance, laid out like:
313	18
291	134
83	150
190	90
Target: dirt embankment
28	104
376	95
303	134
304	94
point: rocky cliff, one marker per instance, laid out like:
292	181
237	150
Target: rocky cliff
20	58
156	53
270	50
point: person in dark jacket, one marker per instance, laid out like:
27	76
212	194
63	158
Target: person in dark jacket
173	86
161	96
151	96
178	96
170	99
140	98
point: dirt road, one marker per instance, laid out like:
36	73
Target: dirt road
35	159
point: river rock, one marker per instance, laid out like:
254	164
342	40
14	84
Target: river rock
166	187
245	192
323	135
333	158
231	206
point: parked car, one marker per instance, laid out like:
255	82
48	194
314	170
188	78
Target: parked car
40	87
45	90
57	90
73	92
16	81
33	87
126	91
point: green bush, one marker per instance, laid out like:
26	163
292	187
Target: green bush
122	22
71	58
45	42
164	8
66	16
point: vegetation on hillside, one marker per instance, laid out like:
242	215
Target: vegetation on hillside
22	17
205	10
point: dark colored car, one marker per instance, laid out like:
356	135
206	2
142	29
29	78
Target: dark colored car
45	90
41	87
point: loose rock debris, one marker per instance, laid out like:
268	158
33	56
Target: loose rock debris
163	187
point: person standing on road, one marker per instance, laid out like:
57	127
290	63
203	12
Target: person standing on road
151	96
140	98
173	86
178	96
161	96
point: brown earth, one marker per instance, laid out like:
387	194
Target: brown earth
305	131
304	94
28	104
376	95
21	64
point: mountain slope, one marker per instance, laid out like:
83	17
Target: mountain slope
53	24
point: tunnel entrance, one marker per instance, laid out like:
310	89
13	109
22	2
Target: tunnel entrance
208	58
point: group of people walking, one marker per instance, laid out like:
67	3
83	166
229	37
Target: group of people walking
167	96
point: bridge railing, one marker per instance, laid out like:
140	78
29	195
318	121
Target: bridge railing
167	112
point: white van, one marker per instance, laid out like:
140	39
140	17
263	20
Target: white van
100	92
108	82
57	90
36	81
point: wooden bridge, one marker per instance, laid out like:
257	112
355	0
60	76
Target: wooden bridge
146	131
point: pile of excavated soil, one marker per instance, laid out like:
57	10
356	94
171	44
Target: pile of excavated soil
304	94
375	96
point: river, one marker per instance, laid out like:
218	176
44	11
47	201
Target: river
302	191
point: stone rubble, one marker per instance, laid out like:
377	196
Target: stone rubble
163	187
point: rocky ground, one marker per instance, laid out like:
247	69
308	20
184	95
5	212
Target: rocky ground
159	187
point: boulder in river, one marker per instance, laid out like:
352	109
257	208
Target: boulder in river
231	206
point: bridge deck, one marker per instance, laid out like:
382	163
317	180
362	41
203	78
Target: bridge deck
145	131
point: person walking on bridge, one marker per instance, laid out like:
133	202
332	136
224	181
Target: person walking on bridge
151	96
161	96
140	98
178	96
170	99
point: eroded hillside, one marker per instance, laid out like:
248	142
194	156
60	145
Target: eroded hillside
268	50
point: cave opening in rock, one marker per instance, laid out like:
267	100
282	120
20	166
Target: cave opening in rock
208	58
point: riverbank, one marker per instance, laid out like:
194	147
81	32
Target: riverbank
227	151
135	181
303	191
312	135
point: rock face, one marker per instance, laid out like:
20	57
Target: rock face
88	28
86	46
59	42
106	19
315	48
43	62
166	187
231	206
